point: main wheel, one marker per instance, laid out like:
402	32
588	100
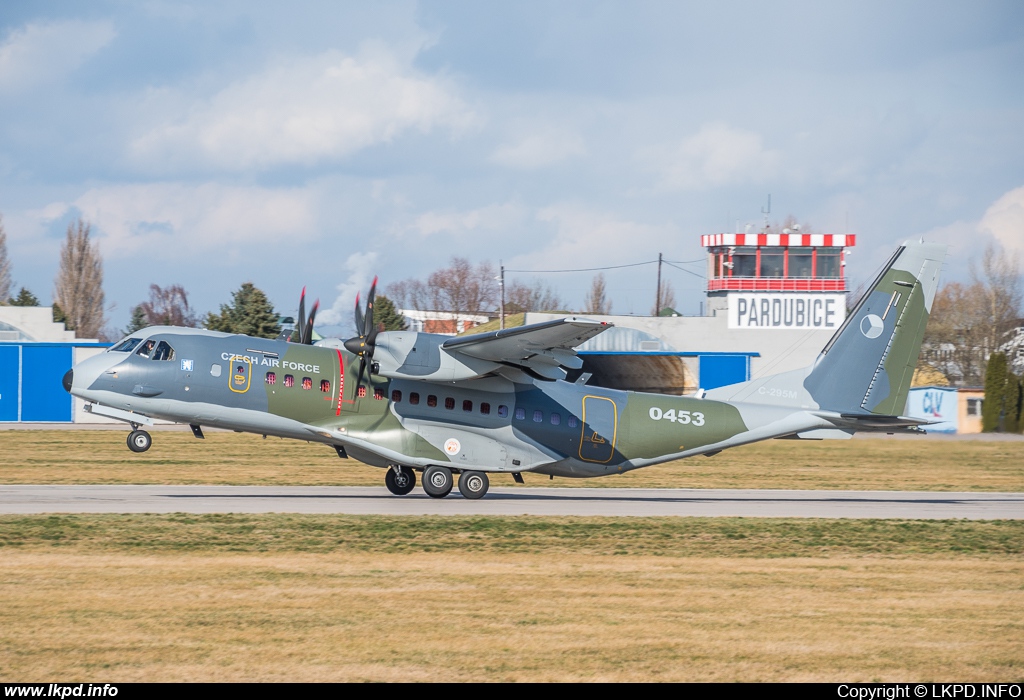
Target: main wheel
437	481
139	441
400	483
473	484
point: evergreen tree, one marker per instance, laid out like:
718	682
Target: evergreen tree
1012	404
387	316
138	320
250	312
25	298
995	392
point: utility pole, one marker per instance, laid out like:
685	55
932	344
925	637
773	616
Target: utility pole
657	297
501	286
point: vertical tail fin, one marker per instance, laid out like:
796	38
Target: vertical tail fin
868	364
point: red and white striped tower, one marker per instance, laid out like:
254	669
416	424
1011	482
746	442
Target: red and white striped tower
777	262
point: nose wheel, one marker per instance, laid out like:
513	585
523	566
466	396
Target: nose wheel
400	480
139	441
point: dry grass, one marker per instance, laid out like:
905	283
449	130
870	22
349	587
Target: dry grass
356	598
101	457
356	616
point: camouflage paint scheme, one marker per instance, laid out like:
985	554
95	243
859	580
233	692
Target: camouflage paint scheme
536	421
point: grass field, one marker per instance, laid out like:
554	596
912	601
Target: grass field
101	457
308	598
351	598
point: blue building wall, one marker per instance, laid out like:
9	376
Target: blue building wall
30	381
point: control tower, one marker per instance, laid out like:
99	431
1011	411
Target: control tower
778	280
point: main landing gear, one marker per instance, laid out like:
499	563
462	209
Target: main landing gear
439	481
139	440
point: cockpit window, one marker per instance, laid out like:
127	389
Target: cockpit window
126	345
147	348
163	351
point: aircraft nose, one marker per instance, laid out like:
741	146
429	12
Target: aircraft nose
69	377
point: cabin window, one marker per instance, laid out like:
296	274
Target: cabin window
538	416
378	393
126	345
396	396
414	398
271	378
467	406
361	391
520	414
307	383
571	422
289	380
325	386
485	408
556	419
431	400
502	411
215	370
449	403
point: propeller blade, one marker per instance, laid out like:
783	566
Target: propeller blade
368	326
358	316
307	331
359	377
301	321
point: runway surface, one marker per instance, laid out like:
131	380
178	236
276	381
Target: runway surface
512	501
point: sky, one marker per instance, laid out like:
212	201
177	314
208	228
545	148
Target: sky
320	144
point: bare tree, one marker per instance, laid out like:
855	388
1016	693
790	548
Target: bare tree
999	284
521	297
5	266
79	285
461	289
167	306
969	322
596	302
667	295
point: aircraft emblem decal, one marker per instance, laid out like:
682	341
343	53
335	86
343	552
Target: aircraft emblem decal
872	326
186	365
452	446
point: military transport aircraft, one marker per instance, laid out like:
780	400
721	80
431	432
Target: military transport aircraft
498	402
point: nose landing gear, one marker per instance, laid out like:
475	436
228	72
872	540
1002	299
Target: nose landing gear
139	441
400	480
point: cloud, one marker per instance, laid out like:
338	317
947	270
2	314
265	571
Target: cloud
305	110
539	150
1004	220
716	155
490	219
583	237
357	269
176	220
38	54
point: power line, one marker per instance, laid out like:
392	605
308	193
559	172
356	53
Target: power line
683	269
589	269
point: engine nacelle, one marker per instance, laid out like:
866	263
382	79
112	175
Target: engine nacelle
409	355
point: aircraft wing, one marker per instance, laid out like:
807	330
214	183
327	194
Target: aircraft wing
540	347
